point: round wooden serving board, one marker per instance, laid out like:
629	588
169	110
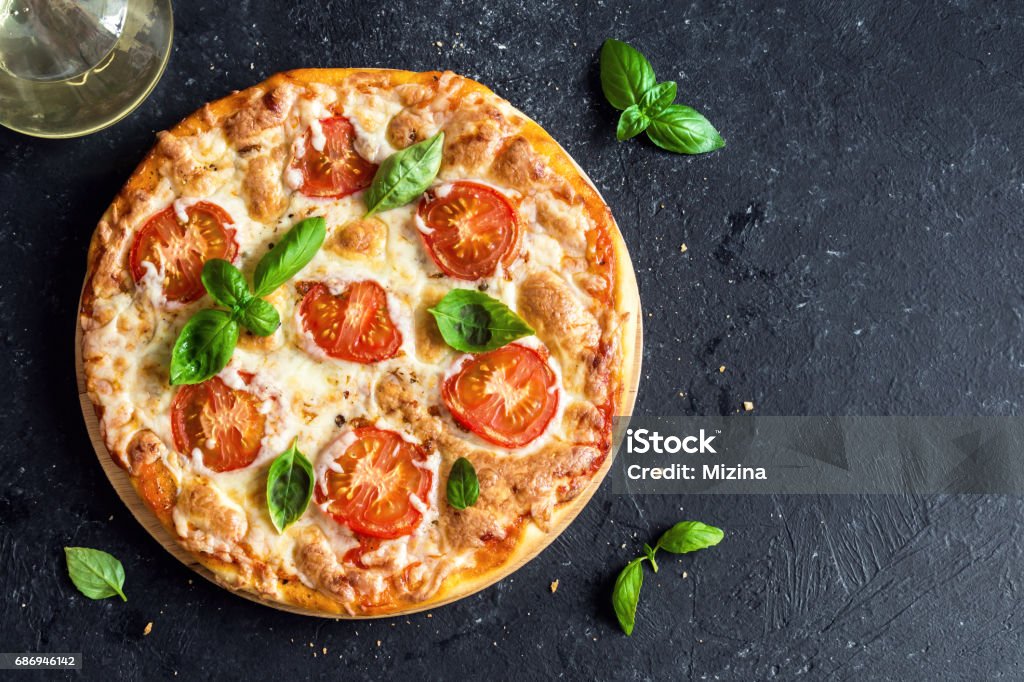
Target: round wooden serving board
532	541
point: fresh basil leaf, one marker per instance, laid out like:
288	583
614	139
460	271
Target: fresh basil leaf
295	249
682	130
625	74
472	322
225	283
463	485
96	574
405	175
632	122
289	487
689	536
655	100
260	317
204	347
626	593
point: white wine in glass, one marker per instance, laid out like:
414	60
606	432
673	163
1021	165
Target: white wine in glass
72	67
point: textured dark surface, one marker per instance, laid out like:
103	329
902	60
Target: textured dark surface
855	249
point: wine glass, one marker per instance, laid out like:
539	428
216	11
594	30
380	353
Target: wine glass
72	67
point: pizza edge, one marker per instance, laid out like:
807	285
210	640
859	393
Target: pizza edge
105	269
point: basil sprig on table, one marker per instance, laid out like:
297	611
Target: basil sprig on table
472	322
682	538
289	487
95	573
463	485
405	175
629	85
208	339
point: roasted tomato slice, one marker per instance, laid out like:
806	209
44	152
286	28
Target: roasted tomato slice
506	396
329	164
178	250
224	423
354	325
367	487
468	229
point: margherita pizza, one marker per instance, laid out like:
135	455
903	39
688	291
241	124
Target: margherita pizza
357	374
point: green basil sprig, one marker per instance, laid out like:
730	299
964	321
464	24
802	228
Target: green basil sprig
628	82
289	487
208	339
472	322
405	175
95	573
682	538
463	485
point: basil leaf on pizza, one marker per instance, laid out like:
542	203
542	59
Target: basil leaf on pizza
626	593
689	536
227	286
472	322
225	283
289	256
625	74
289	487
405	175
632	122
260	317
206	342
204	347
95	573
463	485
682	130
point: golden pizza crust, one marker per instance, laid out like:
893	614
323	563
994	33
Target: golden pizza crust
521	156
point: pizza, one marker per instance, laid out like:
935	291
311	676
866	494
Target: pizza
357	375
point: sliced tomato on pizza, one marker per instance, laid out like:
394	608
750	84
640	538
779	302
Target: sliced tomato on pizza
354	325
506	396
178	249
368	487
468	229
224	424
328	161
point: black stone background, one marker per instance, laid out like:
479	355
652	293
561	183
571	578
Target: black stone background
855	249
